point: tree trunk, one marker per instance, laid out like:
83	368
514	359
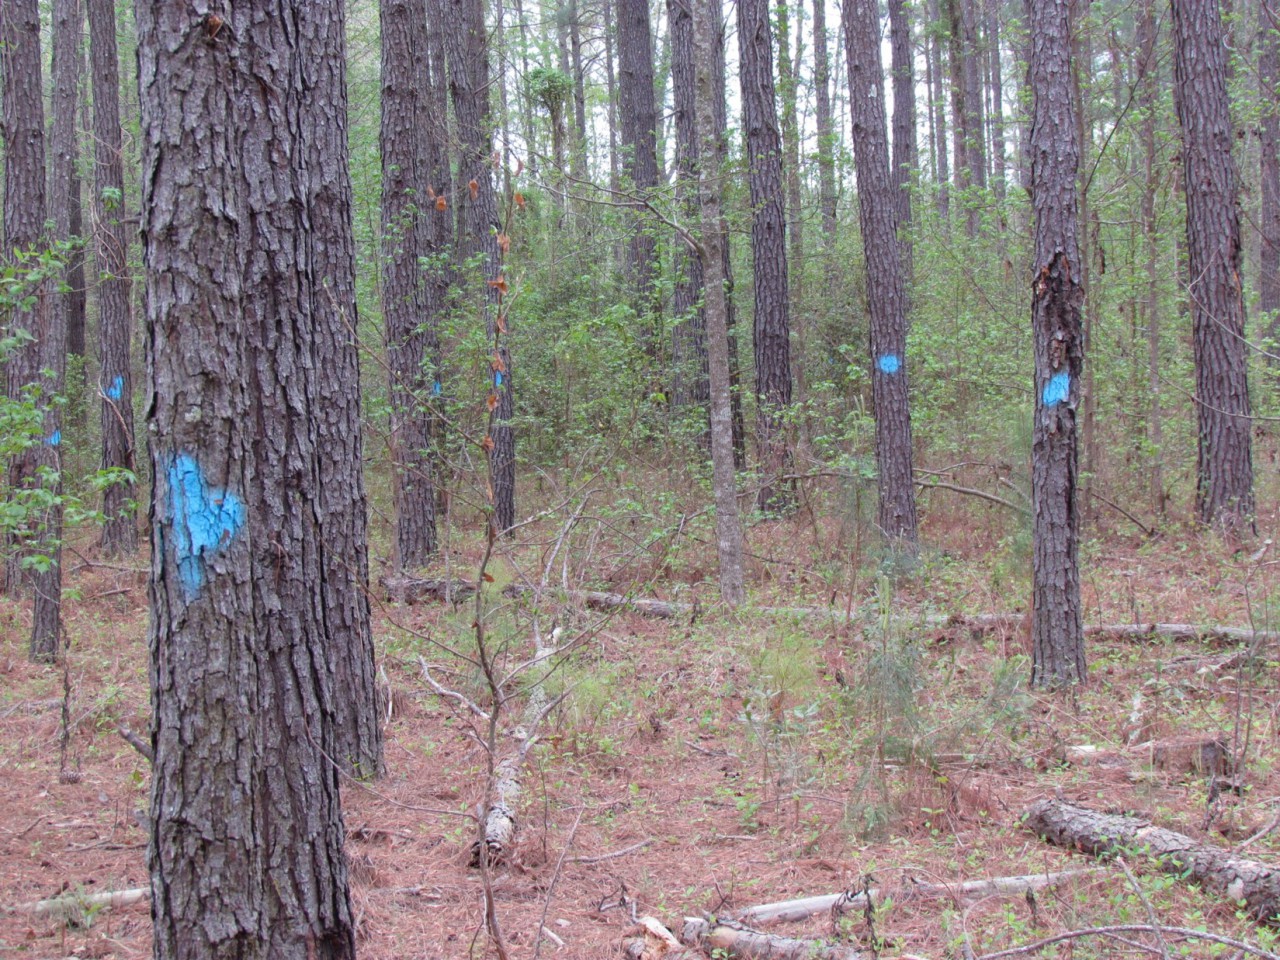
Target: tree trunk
826	137
408	307
611	91
1057	633
1269	169
905	157
24	230
772	327
639	120
1224	464
1148	99
997	100
788	82
1101	834
706	24
938	97
257	522
690	387
886	288
966	99
115	389
468	60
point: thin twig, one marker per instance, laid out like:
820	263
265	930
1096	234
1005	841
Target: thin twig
546	904
1129	928
600	858
1151	913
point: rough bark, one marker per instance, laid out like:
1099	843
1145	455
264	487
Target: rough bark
886	288
1269	169
690	386
1057	627
111	254
24	222
772	327
639	122
468	64
706	23
611	91
905	155
1224	462
826	134
1101	834
408	303
254	526
966	95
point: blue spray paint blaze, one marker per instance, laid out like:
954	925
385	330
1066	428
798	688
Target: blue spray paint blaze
205	520
1057	389
436	389
54	438
116	390
497	378
889	363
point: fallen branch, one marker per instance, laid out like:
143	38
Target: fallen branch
736	940
792	910
1206	756
1102	834
600	858
74	908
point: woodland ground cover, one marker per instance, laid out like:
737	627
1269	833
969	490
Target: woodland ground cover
728	761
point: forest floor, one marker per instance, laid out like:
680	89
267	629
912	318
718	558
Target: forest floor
718	761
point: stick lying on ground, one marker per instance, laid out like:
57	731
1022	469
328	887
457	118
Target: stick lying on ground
790	910
1254	882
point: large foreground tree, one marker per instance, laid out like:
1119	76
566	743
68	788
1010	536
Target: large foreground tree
260	663
1057	626
1224	463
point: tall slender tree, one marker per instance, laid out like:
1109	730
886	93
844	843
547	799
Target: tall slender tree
826	133
42	347
1148	80
904	124
938	97
111	254
690	386
408	302
772	327
1057	633
638	119
886	285
706	38
1224	463
468	64
257	533
966	98
789	98
996	60
1269	167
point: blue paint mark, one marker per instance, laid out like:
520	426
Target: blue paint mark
116	390
497	378
889	363
54	438
436	389
1057	389
205	520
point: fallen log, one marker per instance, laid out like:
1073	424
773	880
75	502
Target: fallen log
802	909
1103	834
1205	756
743	943
412	589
